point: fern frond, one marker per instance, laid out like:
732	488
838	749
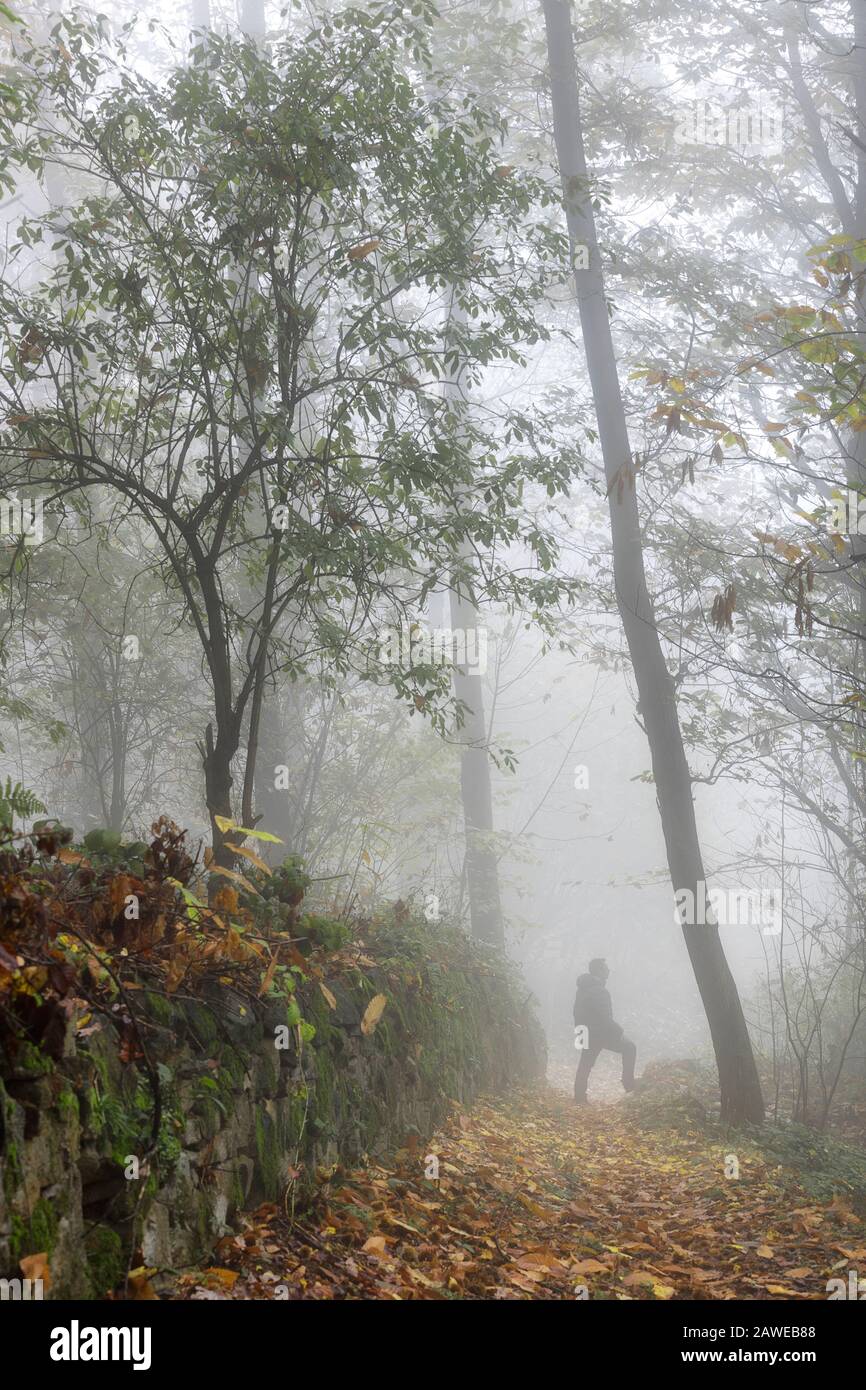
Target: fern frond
18	800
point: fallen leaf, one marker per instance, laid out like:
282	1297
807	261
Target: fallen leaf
589	1267
375	1245
37	1267
373	1013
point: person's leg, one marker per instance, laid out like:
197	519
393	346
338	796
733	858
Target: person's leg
629	1057
584	1067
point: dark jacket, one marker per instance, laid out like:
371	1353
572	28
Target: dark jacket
592	1007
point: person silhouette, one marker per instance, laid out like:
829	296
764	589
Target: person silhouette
595	1029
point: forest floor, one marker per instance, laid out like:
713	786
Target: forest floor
536	1199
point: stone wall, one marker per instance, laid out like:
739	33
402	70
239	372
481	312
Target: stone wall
240	1118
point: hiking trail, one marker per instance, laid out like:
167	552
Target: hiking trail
536	1199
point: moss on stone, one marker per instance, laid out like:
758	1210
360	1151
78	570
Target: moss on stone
202	1221
32	1061
38	1233
237	1191
269	1070
42	1233
12	1174
67	1102
232	1070
448	1024
17	1238
201	1022
207	1109
324	1088
159	1008
320	1014
269	1156
301	1111
183	1200
105	1260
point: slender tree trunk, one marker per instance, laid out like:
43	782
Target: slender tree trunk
219	752
849	203
738	1078
482	873
855	442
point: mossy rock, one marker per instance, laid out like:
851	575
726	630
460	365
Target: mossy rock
42	1233
106	1264
326	932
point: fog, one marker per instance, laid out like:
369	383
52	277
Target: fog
432	462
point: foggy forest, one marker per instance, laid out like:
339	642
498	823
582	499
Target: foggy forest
433	660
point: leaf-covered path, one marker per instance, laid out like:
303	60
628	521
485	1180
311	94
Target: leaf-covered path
537	1200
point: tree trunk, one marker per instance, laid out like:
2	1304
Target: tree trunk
738	1078
482	874
480	864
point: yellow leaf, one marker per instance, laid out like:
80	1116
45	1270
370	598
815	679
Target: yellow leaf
238	878
331	1001
373	1013
140	1288
71	856
223	823
531	1206
267	978
357	253
262	835
252	857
